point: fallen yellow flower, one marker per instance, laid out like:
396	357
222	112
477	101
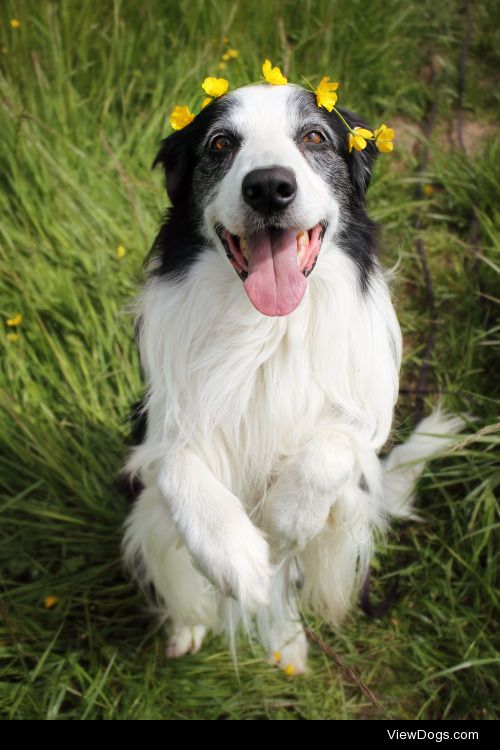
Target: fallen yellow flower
15	321
215	86
325	93
273	75
180	117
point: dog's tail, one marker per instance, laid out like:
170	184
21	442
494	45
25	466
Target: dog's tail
405	463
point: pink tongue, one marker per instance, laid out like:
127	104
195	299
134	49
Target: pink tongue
274	284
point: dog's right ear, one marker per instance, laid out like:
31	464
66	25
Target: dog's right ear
176	158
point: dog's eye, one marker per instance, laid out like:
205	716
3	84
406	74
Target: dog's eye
314	137
220	143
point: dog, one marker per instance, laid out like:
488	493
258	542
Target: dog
271	353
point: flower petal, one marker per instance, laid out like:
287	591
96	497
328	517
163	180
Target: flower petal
385	147
356	140
215	86
180	117
364	132
273	75
326	99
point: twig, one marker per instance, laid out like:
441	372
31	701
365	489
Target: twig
462	75
486	430
427	128
348	672
462	72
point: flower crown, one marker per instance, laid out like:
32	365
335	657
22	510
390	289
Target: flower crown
326	97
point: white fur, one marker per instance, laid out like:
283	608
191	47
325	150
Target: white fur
261	433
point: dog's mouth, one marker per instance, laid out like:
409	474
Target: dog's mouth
274	264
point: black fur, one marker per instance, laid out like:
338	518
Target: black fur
129	487
348	175
179	241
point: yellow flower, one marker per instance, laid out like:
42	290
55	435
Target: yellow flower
225	57
206	101
358	140
277	656
50	601
222	66
16	320
384	137
180	117
215	86
120	252
232	53
12	337
429	190
15	23
273	75
289	670
325	93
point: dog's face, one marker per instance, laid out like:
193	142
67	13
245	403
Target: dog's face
266	175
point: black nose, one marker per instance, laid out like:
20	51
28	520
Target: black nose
268	190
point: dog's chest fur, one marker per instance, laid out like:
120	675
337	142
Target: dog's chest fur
245	389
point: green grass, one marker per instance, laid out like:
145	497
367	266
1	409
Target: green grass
85	90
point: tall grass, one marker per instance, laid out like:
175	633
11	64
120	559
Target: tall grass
85	90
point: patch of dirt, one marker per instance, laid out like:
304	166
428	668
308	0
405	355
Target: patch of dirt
475	135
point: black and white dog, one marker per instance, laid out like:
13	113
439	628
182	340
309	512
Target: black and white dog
271	352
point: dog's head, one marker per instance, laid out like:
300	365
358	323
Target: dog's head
265	174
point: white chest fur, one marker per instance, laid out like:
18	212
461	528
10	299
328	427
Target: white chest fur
245	389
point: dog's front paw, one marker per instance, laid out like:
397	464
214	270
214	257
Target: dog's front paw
294	514
298	504
236	560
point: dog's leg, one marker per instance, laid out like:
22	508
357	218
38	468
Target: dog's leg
309	481
222	540
279	624
154	553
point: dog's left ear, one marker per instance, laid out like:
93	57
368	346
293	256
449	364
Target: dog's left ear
176	158
360	162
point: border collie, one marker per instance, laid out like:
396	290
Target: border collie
271	352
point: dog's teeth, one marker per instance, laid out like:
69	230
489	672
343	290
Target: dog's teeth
302	244
244	247
302	241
